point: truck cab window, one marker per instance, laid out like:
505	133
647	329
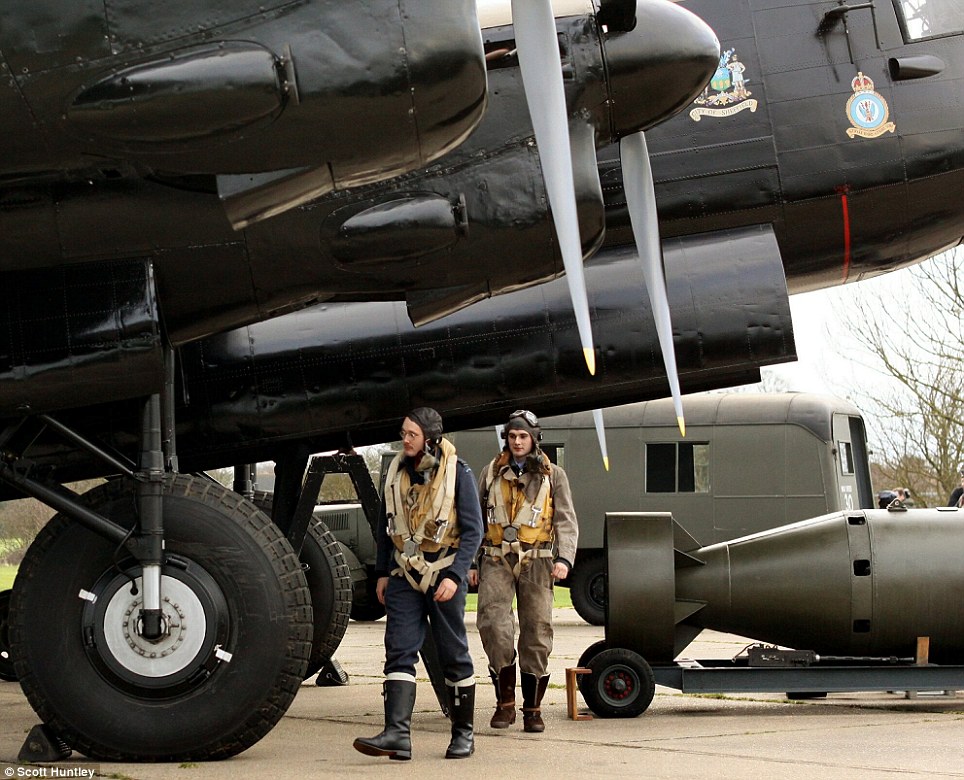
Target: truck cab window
846	450
555	452
922	19
677	467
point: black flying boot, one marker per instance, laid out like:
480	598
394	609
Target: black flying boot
395	741
462	712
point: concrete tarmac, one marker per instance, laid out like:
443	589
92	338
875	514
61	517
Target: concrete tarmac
680	737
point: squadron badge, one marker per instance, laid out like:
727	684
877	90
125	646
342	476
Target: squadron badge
867	111
729	85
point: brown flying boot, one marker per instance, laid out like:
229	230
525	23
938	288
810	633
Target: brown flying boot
504	683
533	689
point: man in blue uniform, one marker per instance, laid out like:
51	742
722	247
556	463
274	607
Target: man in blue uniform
429	531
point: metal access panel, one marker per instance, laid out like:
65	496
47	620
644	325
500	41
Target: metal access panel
81	326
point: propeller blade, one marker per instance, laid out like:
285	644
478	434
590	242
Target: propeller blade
597	418
538	52
641	201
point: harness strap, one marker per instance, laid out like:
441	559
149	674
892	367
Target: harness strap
500	553
429	570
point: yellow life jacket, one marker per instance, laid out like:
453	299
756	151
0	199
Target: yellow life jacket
422	518
512	519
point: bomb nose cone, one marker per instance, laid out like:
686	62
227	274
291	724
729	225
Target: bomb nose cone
659	66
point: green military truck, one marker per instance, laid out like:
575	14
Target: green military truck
749	462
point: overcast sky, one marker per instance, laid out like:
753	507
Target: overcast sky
828	359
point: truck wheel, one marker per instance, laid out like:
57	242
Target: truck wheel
7	671
622	684
236	613
329	581
365	607
588	588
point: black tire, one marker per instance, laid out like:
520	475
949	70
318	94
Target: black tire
7	672
234	597
329	581
365	606
622	684
588	588
584	681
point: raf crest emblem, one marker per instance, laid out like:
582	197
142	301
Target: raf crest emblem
727	93
866	110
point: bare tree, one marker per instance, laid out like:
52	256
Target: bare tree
914	340
22	519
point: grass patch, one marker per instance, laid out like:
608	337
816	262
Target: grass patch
561	600
7	575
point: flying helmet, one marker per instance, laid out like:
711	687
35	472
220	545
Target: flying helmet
523	420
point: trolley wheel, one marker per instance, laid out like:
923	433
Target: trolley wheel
621	684
583	681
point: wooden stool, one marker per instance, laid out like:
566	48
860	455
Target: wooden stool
571	686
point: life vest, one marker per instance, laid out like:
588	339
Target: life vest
422	518
514	523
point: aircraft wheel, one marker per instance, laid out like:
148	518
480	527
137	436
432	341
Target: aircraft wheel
329	581
622	684
237	618
588	589
7	671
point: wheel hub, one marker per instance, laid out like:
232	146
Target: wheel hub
194	622
182	629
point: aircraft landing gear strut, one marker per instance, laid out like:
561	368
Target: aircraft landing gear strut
164	618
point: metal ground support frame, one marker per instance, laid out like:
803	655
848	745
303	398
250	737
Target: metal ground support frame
725	676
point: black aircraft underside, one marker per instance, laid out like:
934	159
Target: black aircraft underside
334	375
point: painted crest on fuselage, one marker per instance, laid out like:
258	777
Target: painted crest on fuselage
867	111
727	93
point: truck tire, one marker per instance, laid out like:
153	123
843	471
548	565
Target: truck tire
587	587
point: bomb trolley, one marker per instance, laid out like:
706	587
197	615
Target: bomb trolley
664	589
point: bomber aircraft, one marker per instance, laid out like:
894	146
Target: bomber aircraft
160	192
827	146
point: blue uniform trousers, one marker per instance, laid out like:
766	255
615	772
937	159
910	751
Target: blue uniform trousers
407	611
